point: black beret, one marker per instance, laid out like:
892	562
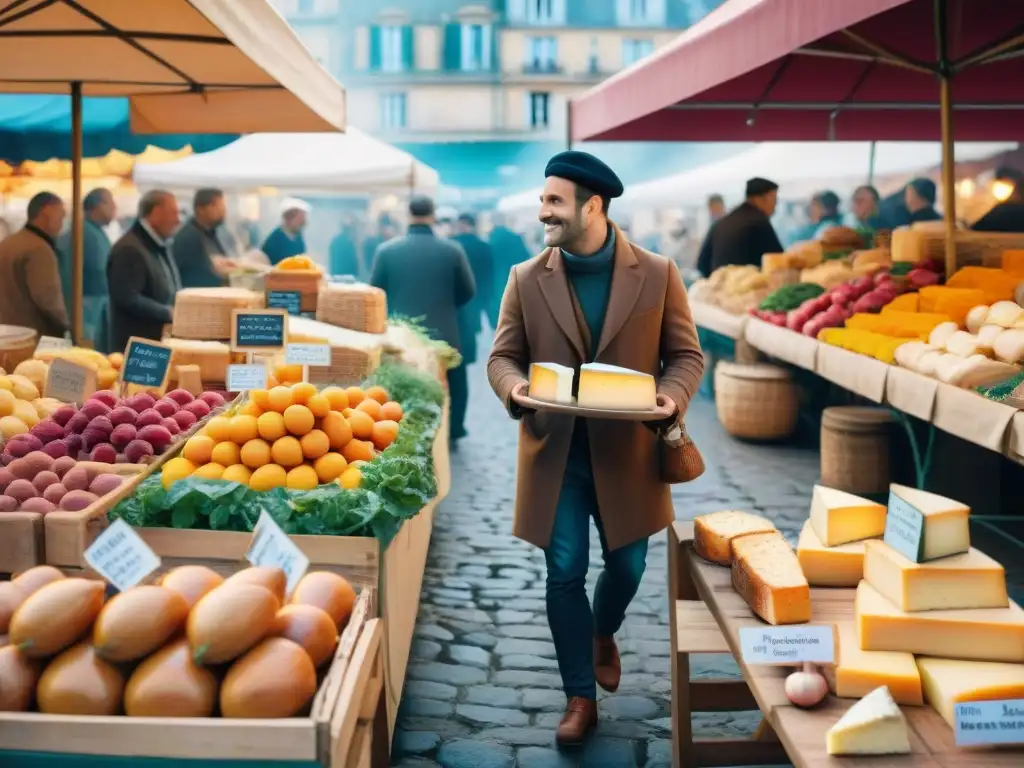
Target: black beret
758	186
925	189
586	170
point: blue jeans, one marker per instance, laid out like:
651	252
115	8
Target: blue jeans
573	624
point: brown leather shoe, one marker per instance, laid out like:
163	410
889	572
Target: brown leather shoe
579	718
607	666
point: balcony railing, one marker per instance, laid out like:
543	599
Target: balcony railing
541	67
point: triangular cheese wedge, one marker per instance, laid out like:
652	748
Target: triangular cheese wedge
839	517
614	388
840	566
946	530
948	682
551	382
873	726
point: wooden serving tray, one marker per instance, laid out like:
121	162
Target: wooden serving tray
615	414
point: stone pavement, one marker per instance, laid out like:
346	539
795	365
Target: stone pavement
483	689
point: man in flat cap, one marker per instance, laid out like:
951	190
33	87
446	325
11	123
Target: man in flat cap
591	295
919	197
746	233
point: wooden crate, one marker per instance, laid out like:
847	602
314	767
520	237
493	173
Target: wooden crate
344	729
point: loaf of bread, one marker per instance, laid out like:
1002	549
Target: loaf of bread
767	575
713	533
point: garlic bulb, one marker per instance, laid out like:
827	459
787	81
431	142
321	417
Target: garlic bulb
806	688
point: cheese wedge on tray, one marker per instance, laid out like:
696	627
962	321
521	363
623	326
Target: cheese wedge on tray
969	580
551	382
981	634
948	682
943	522
838	517
767	575
839	566
856	673
873	726
610	387
713	533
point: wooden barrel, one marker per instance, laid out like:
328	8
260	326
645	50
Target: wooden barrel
855	448
17	344
755	402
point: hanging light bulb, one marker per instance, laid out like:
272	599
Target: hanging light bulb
1001	190
966	188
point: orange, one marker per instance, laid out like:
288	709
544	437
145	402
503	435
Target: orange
330	466
355	396
198	449
302	391
378	394
288	373
384	434
219	428
315	444
337	397
298	419
280	398
237	473
287	452
302	478
243	429
211	471
226	453
255	453
174	470
362	425
357	450
346	412
370	407
271	381
250	409
261	397
267	477
319	405
358	463
337	429
350	478
391	411
271	426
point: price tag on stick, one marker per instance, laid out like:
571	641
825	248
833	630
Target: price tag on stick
51	344
984	723
121	557
794	644
271	548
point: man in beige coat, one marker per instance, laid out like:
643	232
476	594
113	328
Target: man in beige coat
592	296
30	287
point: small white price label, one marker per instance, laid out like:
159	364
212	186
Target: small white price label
271	548
796	644
51	344
121	557
308	354
242	378
69	382
981	723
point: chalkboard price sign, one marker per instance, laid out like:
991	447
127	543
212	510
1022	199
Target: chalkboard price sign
146	364
263	330
289	301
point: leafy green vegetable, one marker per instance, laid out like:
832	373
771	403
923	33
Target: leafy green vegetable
447	353
790	297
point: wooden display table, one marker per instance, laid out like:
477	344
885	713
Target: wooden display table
706	615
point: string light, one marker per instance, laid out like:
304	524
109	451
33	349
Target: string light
1001	190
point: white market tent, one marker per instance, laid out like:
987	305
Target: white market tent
352	163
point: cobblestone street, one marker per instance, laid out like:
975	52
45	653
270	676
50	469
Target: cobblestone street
483	689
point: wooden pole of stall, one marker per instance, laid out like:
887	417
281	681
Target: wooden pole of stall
945	72
77	214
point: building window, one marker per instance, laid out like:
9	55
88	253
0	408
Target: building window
392	110
475	47
641	13
594	59
391	59
538	109
540	12
634	50
542	54
307	6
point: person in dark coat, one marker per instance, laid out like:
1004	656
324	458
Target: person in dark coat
198	251
343	258
429	278
481	262
100	209
746	233
919	197
385	232
507	250
1008	215
287	239
142	274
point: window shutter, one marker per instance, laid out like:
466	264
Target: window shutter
375	47
408	49
452	47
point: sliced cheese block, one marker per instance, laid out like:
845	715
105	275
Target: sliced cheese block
841	566
856	673
713	533
551	382
948	681
945	530
970	580
980	634
839	517
767	575
873	726
611	387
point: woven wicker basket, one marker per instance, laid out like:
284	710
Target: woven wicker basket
973	249
212	357
855	449
205	313
357	306
756	402
17	344
306	282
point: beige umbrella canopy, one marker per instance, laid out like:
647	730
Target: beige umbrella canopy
187	66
